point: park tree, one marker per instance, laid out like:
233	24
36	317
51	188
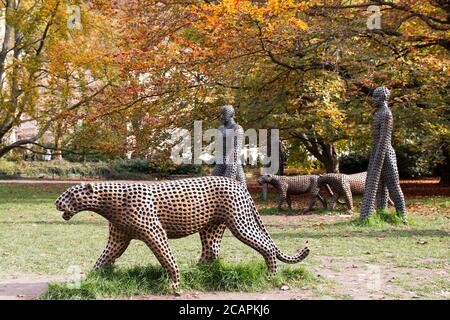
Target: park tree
53	66
306	67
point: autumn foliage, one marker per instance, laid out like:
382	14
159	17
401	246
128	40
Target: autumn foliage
305	67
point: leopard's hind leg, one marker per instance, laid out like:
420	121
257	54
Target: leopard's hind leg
249	232
211	237
347	193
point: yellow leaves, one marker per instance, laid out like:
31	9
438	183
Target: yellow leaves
332	113
300	24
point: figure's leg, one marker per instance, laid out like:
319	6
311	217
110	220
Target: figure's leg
117	243
371	185
382	195
211	237
240	176
392	181
156	239
249	232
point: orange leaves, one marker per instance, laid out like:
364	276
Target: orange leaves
246	14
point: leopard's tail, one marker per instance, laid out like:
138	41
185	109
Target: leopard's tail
292	259
280	255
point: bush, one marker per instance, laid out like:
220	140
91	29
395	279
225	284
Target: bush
353	163
117	169
411	162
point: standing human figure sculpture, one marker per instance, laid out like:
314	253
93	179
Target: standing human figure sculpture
228	163
382	175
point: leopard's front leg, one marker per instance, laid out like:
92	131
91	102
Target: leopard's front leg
117	243
211	237
156	239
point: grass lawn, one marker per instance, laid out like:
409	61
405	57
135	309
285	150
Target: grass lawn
346	260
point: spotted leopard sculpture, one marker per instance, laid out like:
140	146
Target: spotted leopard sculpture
294	185
157	212
341	184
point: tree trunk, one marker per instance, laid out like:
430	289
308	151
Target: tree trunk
330	158
444	168
57	154
322	151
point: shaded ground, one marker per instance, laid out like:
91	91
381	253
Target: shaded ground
413	188
399	262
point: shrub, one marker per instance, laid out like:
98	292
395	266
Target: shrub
117	169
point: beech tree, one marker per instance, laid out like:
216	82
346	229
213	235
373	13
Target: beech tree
52	65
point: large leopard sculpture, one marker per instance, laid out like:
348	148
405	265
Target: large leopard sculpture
157	212
294	185
344	186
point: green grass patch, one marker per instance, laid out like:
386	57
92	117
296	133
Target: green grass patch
381	218
35	240
216	276
276	211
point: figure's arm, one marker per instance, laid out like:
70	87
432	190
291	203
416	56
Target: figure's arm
384	141
234	158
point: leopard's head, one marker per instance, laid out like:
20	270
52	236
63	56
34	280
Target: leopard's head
76	199
267	178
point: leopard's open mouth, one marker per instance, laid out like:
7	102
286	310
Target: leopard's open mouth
67	215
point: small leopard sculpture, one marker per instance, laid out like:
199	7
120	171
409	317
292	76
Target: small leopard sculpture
344	186
341	187
294	185
154	213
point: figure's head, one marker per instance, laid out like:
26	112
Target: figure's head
226	113
267	178
381	95
75	199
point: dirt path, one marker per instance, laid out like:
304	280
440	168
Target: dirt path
26	288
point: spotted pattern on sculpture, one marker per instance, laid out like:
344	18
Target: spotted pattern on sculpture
382	175
233	136
340	185
337	182
154	213
294	185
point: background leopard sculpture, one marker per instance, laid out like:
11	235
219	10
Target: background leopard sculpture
157	212
344	186
294	185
